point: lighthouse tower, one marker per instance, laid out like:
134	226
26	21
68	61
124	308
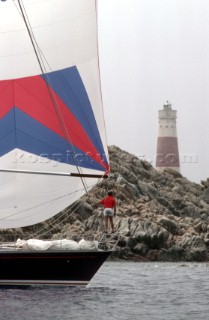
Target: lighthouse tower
167	143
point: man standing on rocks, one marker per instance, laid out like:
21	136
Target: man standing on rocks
109	204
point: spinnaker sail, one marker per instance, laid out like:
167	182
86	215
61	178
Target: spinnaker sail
52	131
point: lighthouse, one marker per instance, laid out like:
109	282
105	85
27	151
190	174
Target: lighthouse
167	142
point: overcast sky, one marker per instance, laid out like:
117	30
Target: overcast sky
152	51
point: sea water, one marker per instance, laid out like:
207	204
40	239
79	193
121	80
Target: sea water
120	290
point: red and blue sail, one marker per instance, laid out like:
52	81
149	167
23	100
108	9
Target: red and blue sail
51	115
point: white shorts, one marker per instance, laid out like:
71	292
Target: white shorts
108	212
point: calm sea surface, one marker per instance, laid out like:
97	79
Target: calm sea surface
120	290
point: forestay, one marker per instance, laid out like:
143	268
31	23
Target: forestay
51	116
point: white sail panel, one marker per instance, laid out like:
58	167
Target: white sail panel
27	198
65	31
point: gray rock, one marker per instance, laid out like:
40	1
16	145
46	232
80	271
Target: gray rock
141	236
170	226
84	209
141	249
206	195
131	242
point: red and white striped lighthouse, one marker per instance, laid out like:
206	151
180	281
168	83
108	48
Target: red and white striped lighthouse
167	142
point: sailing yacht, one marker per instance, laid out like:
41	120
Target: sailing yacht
53	145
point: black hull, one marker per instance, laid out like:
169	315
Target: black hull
49	268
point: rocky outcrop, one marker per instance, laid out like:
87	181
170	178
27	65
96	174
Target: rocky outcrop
160	215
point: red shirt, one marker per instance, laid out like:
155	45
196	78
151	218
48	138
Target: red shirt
108	202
